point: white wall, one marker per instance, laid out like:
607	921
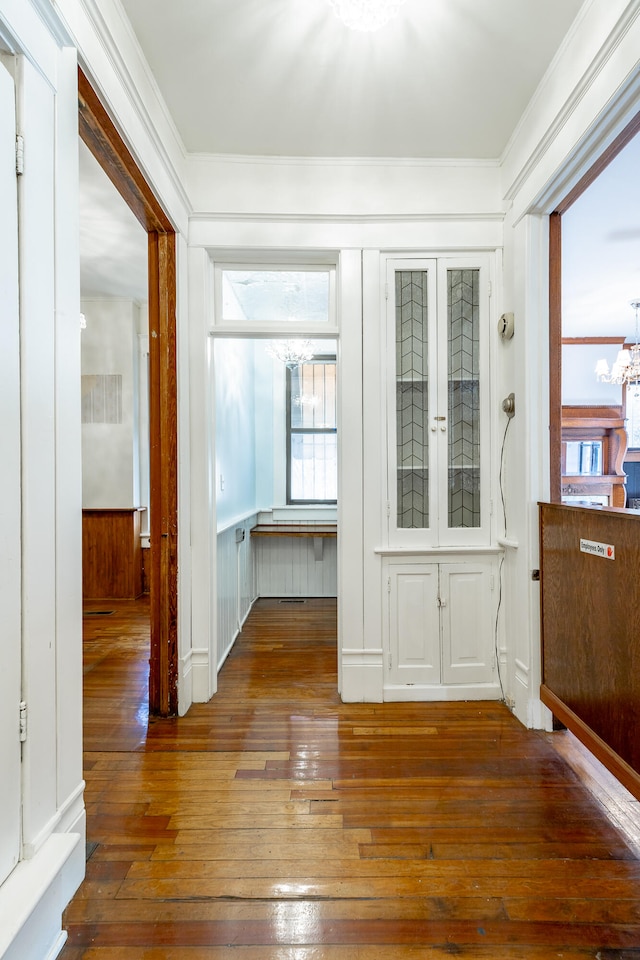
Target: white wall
51	843
110	451
235	430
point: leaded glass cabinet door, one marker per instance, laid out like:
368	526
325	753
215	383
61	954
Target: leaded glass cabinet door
438	428
412	345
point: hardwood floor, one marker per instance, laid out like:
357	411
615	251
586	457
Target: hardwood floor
277	823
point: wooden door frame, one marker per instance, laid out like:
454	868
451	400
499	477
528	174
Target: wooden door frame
555	302
99	133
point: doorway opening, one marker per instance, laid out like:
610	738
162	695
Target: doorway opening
99	134
594	250
276	470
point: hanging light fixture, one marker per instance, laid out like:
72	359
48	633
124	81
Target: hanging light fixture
365	15
626	366
291	352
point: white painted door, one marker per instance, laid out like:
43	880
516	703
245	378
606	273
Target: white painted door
414	624
440	624
10	550
466	596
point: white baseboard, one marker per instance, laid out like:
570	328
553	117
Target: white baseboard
34	895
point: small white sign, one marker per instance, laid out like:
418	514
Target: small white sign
606	550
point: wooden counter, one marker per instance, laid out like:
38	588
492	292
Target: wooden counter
295	530
319	531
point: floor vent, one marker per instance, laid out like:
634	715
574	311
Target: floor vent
97	613
292	601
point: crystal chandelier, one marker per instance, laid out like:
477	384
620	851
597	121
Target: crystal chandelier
291	352
365	15
626	367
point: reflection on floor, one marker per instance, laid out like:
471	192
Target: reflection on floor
277	823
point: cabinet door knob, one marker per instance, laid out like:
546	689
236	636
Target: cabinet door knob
443	428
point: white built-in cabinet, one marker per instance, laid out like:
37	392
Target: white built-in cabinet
439	623
439	570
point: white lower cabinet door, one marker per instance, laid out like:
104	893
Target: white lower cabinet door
467	613
414	630
440	625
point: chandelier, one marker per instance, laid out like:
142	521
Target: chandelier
626	366
365	15
291	352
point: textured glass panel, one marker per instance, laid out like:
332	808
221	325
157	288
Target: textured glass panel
275	295
314	466
463	318
412	399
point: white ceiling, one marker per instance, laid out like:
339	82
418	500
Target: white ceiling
445	78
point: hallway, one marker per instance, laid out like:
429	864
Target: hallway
277	822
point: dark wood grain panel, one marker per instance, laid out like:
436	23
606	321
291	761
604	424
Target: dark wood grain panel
100	135
163	459
591	630
111	553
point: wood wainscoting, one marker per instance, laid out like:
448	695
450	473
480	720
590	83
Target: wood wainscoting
590	563
112	553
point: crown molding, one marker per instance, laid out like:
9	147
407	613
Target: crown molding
573	100
426	162
217	217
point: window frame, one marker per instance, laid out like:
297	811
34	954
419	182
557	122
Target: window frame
318	358
275	329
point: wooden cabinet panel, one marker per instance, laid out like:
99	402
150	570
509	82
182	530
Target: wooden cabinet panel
591	630
111	553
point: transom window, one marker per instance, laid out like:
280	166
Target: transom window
312	442
275	294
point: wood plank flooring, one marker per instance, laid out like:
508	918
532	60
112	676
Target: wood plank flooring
277	823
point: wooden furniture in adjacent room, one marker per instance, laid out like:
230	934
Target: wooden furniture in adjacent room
590	559
111	553
594	443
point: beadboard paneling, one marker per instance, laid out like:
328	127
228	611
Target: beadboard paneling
236	584
286	567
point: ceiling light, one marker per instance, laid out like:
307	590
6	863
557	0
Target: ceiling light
365	14
626	367
291	352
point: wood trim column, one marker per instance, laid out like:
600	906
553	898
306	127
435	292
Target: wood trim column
555	356
163	459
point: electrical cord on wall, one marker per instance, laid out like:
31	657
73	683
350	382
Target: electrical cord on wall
504	508
504	520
